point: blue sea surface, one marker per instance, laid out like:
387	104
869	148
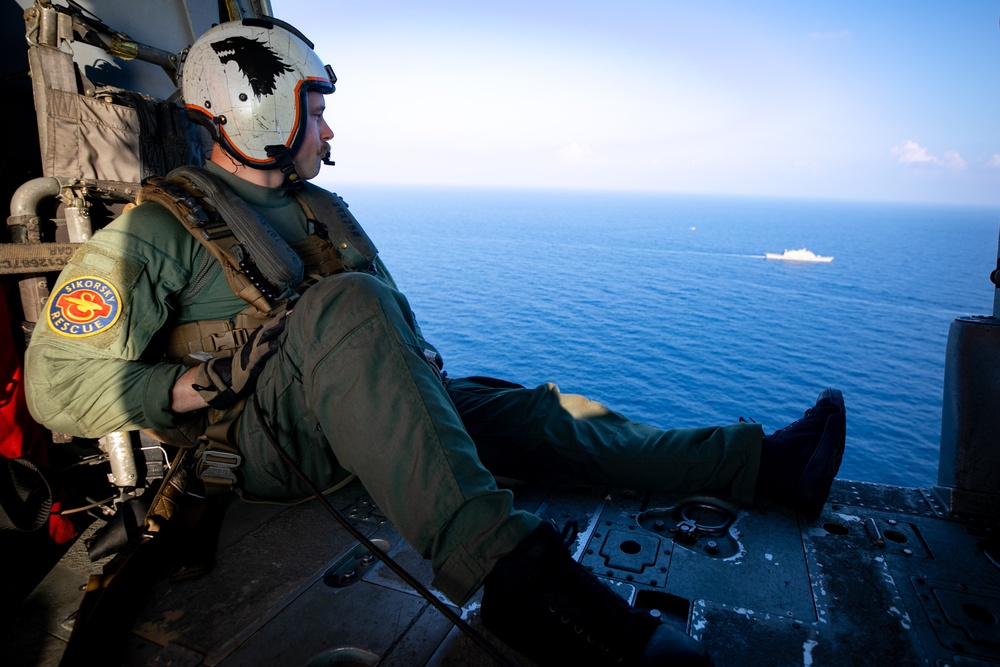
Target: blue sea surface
663	307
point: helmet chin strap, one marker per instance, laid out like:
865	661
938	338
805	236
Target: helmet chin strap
283	159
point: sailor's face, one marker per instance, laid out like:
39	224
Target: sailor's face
315	146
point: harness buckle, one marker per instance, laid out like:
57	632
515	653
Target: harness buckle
228	340
216	467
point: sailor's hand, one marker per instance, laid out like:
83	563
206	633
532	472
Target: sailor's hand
225	381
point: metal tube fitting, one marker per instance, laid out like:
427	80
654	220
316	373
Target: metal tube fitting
118	447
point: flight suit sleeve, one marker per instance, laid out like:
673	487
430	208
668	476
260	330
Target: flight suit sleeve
91	366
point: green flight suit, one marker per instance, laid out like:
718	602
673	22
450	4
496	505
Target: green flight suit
351	391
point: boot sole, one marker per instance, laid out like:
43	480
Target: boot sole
819	473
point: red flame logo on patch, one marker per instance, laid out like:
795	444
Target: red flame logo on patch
83	306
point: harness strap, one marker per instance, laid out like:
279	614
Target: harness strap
202	219
218	338
319	257
277	261
211	440
336	224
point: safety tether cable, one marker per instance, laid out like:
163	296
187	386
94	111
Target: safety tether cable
459	623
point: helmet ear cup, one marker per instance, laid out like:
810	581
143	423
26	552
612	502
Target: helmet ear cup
247	81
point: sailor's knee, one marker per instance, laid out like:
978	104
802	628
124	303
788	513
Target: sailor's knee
338	305
345	289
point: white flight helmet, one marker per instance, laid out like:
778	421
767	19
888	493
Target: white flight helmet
247	82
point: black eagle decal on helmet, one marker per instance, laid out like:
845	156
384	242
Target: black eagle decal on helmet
257	61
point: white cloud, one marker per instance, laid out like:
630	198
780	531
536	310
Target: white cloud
994	161
952	160
910	152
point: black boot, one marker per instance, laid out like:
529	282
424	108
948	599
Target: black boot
799	462
544	604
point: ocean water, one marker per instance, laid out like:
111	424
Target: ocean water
663	307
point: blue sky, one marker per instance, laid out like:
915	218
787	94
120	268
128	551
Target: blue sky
842	100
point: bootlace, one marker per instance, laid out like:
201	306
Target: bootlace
628	629
804	417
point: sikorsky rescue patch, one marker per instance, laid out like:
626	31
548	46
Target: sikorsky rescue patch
84	307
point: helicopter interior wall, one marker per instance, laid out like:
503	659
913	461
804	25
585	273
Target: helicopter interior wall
28	555
170	26
19	156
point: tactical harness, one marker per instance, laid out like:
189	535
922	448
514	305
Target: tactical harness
262	269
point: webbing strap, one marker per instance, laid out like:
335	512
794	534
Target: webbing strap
35	257
216	337
219	338
203	221
271	252
335	222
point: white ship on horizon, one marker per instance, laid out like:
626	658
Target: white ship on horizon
800	255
